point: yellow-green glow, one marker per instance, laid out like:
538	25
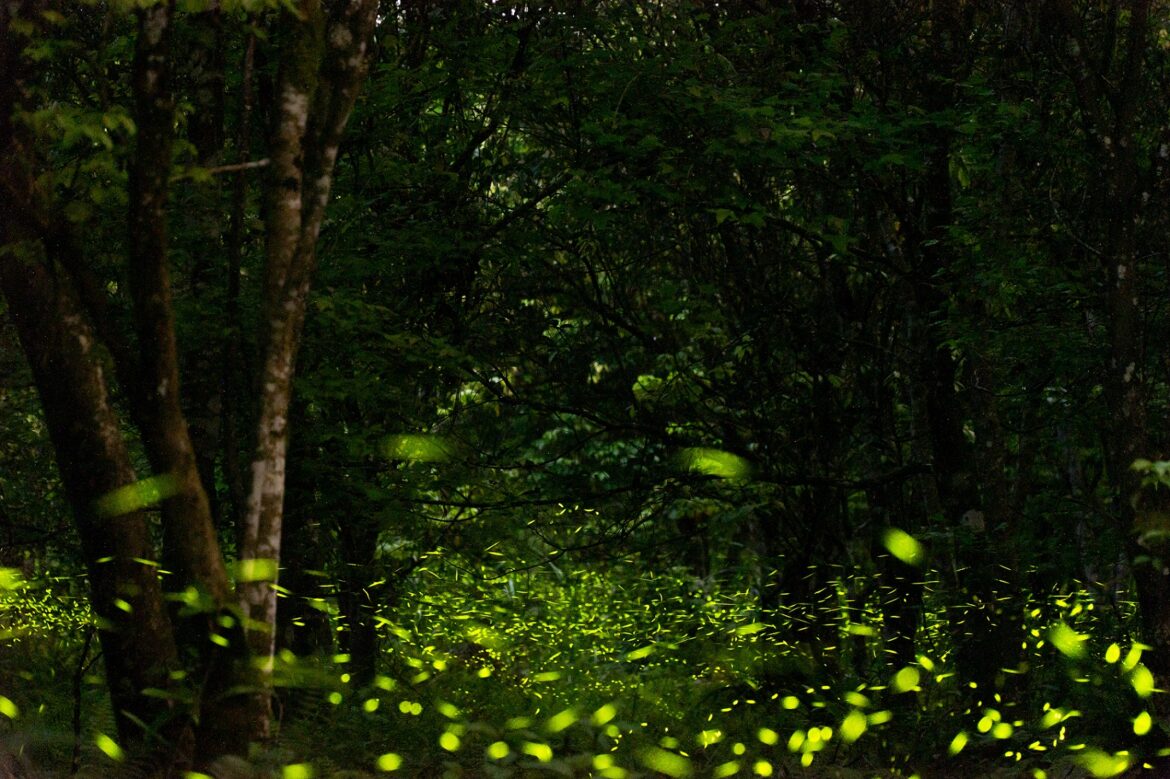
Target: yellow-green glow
904	546
665	762
1101	764
604	714
498	750
418	448
641	654
542	752
1069	642
1142	681
1050	718
906	680
390	761
854	698
1133	656
109	747
136	496
10	579
8	708
707	738
853	726
258	570
559	722
297	771
715	462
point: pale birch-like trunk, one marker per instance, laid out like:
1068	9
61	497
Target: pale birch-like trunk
61	311
322	68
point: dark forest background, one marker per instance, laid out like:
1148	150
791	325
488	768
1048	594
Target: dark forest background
596	388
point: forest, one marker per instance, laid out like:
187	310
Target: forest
612	388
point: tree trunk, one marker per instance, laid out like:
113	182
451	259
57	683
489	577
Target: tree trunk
1109	92
125	593
51	291
323	66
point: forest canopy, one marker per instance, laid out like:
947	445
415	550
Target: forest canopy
466	388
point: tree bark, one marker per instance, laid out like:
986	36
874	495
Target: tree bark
125	592
323	66
61	348
190	546
50	292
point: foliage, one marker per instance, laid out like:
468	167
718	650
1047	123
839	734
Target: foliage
685	389
614	672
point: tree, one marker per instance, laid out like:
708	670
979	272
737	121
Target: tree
67	322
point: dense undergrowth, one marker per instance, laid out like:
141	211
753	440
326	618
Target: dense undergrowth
617	674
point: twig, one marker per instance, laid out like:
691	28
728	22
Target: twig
235	167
